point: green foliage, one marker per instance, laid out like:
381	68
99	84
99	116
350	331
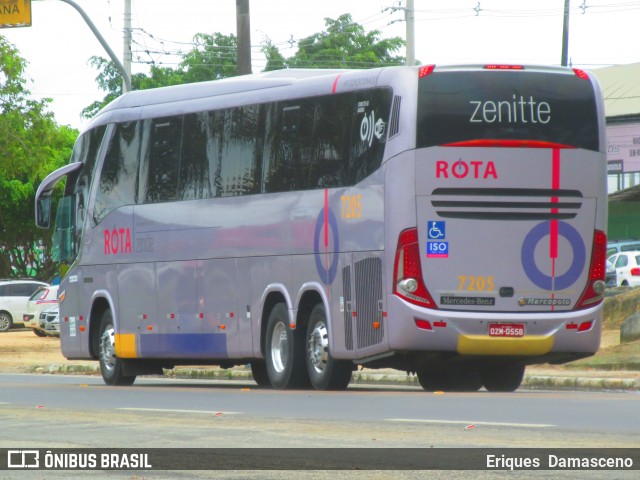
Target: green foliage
32	145
345	44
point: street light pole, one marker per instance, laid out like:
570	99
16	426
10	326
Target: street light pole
409	15
244	37
126	78
565	35
126	46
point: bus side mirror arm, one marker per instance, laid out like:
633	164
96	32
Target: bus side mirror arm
43	211
43	194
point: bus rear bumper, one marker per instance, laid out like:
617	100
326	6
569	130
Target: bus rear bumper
546	335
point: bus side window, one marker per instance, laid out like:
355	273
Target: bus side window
164	160
289	153
194	164
370	112
117	184
331	141
239	166
277	173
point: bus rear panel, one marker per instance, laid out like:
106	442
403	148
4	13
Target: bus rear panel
506	259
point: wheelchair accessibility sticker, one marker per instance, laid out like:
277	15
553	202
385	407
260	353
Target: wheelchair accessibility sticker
436	230
553	230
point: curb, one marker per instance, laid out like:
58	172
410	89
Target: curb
533	381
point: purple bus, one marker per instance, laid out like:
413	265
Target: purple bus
445	221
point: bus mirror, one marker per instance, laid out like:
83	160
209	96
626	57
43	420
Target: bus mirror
43	211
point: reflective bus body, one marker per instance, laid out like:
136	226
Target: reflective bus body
445	221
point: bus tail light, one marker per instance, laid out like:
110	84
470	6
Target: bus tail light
585	326
503	67
425	70
594	293
581	74
407	272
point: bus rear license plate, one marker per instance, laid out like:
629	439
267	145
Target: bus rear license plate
506	330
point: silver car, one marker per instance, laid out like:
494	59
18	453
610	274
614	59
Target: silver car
50	321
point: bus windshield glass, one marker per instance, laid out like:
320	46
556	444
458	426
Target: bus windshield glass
465	106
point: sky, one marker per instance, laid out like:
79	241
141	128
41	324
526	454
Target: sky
59	44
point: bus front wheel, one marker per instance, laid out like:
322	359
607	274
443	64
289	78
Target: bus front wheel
325	372
284	351
111	367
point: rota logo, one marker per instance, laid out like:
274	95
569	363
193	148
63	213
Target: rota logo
462	169
117	241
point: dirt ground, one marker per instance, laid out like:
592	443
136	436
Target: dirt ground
22	351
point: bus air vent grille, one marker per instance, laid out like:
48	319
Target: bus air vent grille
348	323
506	203
368	289
394	122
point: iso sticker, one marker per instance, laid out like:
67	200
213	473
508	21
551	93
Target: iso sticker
437	249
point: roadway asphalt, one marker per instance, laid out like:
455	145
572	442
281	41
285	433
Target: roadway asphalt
540	377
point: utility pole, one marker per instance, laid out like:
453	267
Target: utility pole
565	35
409	16
126	47
126	78
244	37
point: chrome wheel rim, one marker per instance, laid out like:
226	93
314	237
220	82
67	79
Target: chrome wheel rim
279	347
5	323
108	349
318	347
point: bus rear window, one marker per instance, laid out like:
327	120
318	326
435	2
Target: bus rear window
463	106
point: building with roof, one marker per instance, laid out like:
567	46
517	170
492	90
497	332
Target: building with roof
621	91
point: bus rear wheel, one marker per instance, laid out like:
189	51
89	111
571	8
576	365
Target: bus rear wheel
325	372
111	367
450	379
503	378
284	351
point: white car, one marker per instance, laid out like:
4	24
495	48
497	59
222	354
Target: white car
627	265
14	295
43	298
50	321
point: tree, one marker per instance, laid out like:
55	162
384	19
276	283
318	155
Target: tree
32	145
344	44
213	57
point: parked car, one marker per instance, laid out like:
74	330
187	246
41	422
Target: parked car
14	296
50	321
627	266
623	246
43	298
611	279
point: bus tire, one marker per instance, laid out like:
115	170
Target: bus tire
111	367
39	333
259	372
6	322
503	378
325	372
432	380
284	351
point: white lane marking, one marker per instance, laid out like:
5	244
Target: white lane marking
465	422
175	410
